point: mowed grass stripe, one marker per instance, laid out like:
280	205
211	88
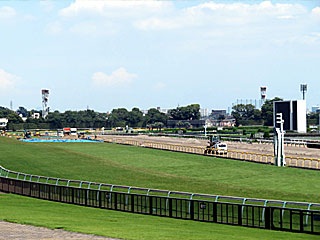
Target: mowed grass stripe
134	166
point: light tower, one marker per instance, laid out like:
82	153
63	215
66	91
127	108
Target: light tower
45	99
263	92
303	89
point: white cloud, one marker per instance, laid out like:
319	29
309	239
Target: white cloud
217	14
316	12
54	27
118	77
29	17
157	24
7	80
159	85
92	28
7	12
47	5
112	8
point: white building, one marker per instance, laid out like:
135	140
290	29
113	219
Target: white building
36	115
23	118
3	122
163	110
204	112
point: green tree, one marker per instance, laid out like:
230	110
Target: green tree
119	117
267	111
244	113
135	117
23	111
154	115
190	112
313	118
158	125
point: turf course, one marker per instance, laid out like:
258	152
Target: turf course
134	166
129	165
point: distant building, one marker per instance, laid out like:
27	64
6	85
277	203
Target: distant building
315	109
227	122
216	113
35	115
163	110
144	112
204	112
22	117
3	122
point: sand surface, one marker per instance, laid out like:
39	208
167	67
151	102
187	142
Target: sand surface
290	151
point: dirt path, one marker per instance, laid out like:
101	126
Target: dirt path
290	151
19	231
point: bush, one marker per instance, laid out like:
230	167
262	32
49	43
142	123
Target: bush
266	134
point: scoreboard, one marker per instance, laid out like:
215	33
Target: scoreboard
294	114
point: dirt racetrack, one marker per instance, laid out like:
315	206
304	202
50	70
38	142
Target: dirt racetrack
19	231
290	151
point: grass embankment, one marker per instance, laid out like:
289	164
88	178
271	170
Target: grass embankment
124	225
128	165
134	166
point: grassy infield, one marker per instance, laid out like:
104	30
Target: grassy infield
134	166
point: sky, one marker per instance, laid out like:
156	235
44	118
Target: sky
110	54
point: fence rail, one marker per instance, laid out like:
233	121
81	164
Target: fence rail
147	191
299	162
274	218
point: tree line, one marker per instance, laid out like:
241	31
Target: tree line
119	117
247	114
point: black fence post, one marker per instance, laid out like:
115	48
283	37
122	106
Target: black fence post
191	209
100	199
239	215
38	190
86	197
267	217
132	203
150	205
170	207
301	220
215	212
115	201
72	197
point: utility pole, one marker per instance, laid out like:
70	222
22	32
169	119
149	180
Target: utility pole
205	130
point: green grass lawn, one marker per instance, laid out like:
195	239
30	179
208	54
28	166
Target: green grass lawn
124	225
134	166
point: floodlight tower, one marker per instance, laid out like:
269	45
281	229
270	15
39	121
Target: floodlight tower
263	91
45	99
303	89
